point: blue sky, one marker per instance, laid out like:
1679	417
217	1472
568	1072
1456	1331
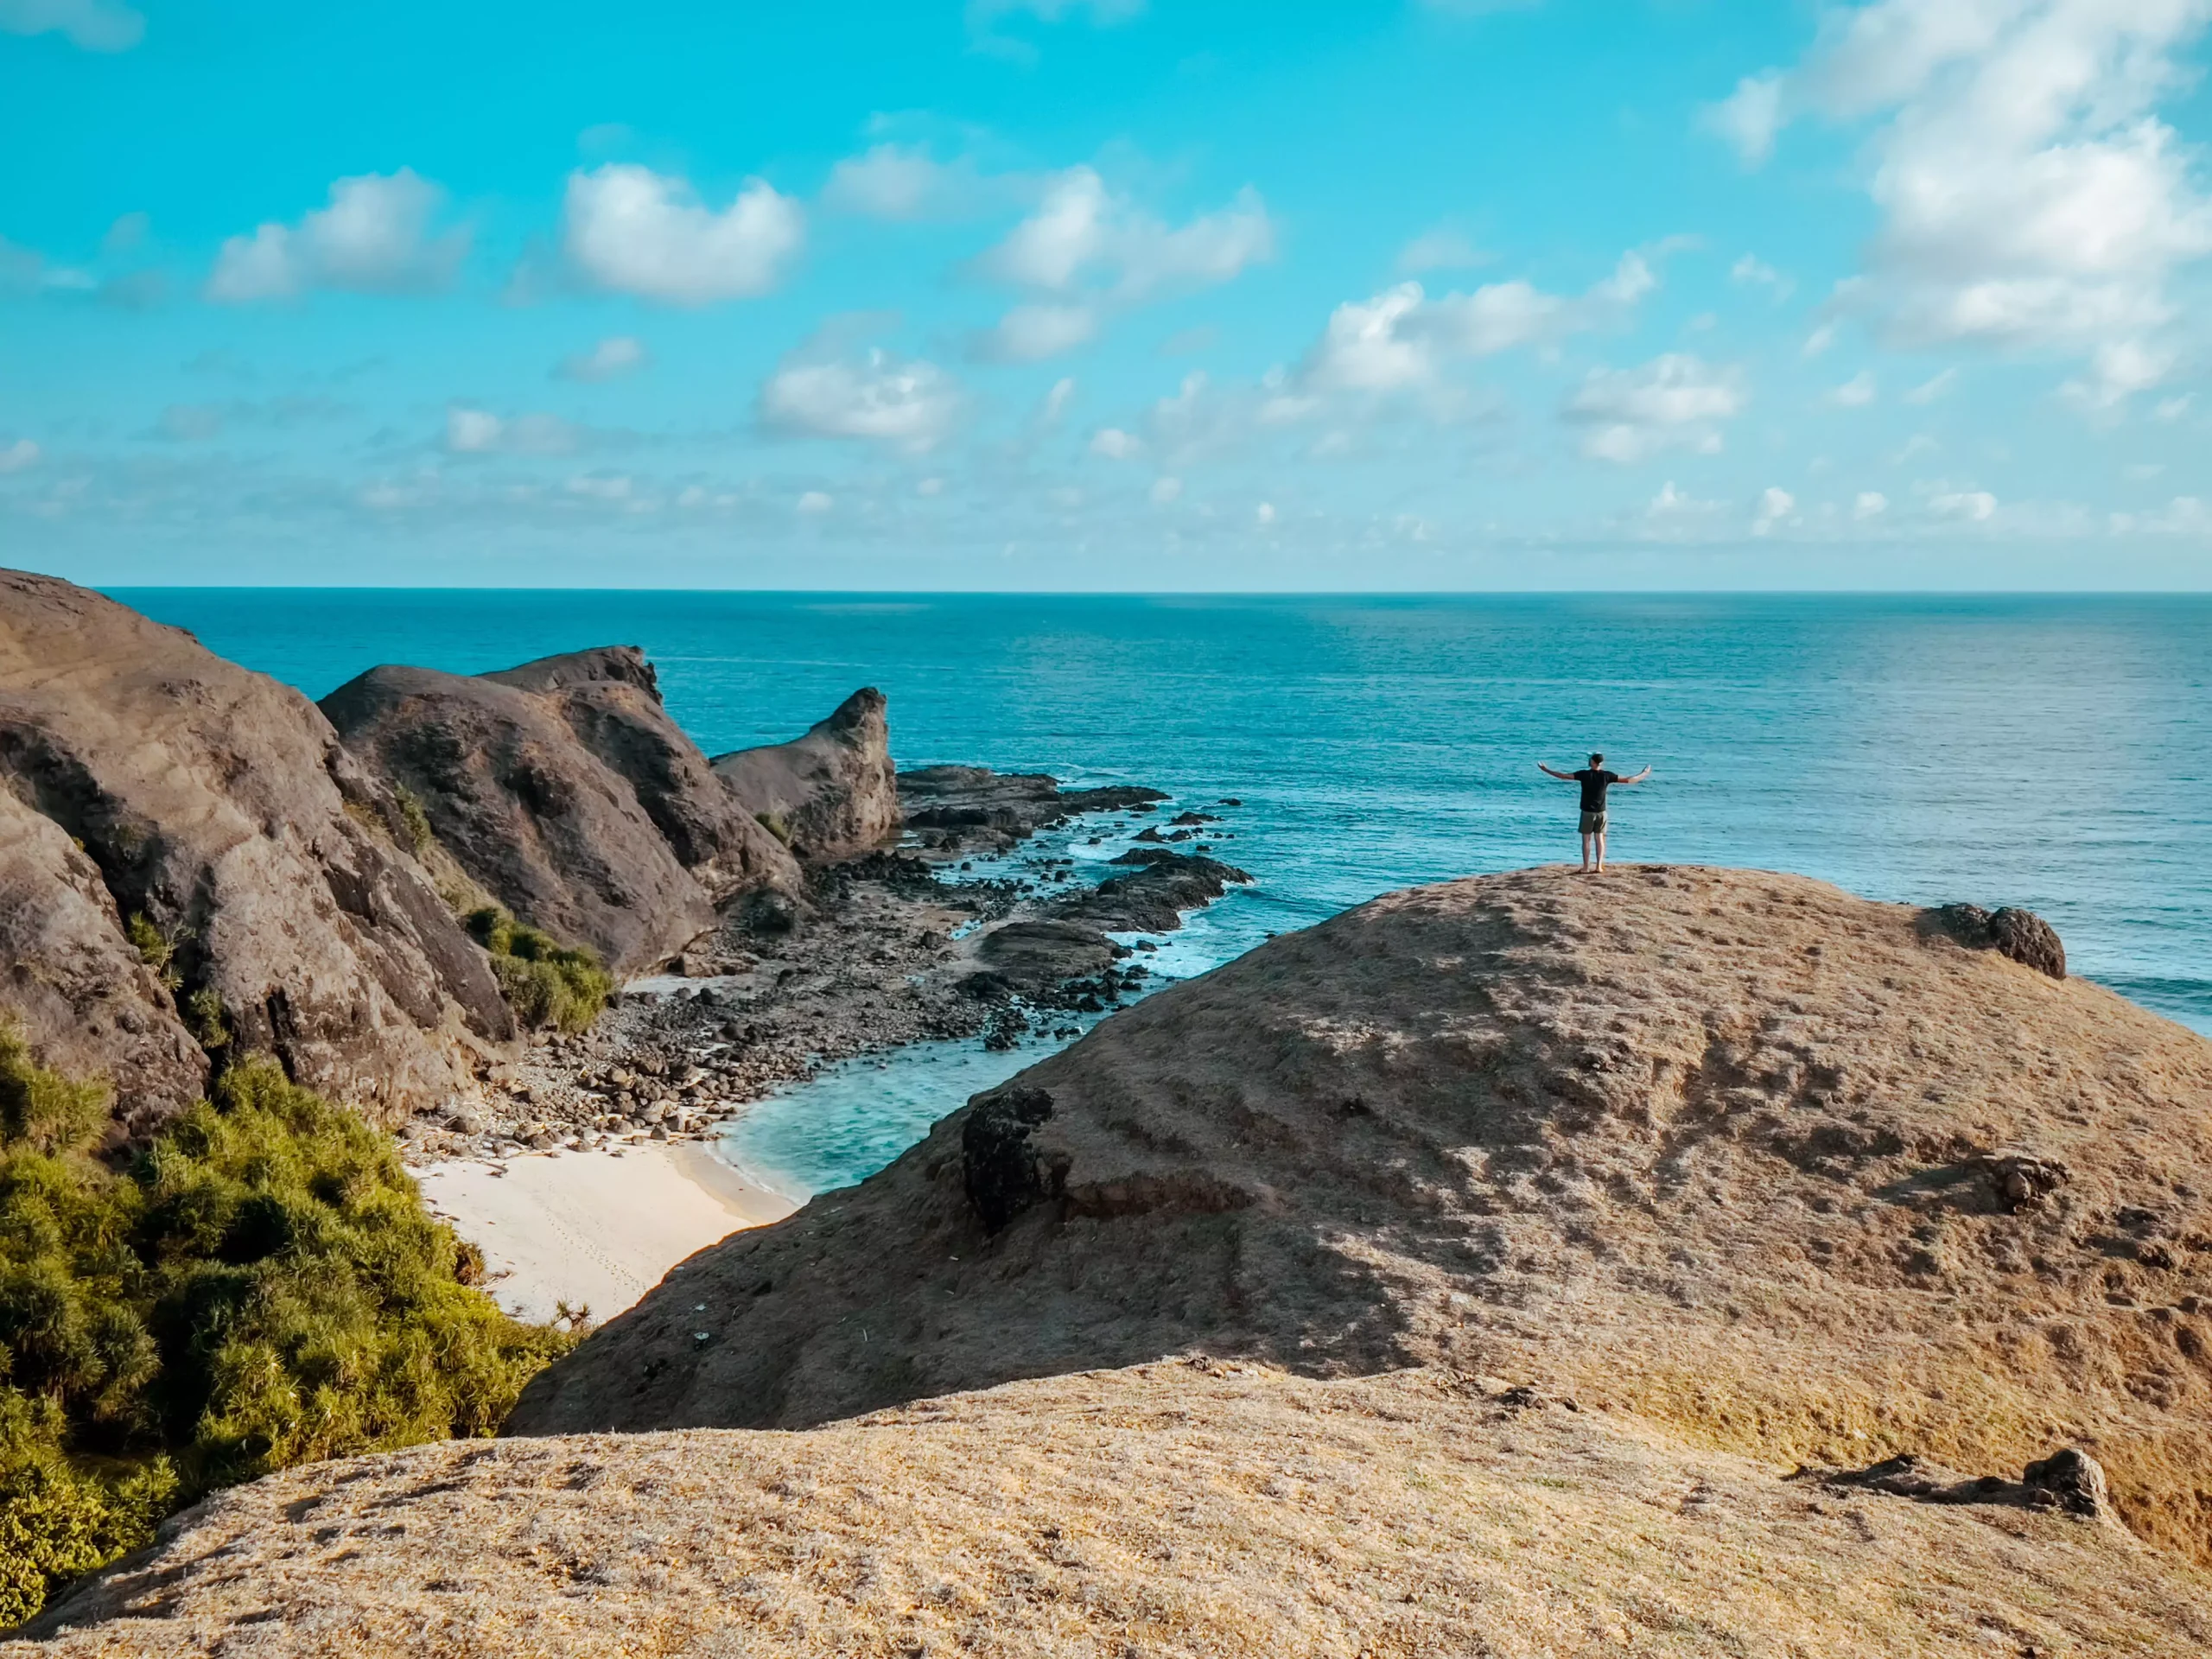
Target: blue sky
1130	294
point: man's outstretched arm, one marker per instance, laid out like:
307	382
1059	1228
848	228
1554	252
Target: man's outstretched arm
1564	777
1639	776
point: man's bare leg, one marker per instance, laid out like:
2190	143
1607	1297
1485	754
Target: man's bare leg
1601	839
1587	839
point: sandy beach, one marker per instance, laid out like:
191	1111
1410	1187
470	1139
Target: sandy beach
595	1228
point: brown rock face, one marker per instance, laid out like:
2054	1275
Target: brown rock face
531	814
1711	1146
219	805
833	791
611	700
87	1000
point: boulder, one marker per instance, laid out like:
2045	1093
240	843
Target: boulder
533	815
150	778
1712	1147
611	700
830	794
956	806
2020	935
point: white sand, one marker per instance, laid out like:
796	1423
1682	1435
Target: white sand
598	1229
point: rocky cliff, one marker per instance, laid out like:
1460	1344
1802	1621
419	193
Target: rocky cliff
1787	1172
829	794
565	791
150	785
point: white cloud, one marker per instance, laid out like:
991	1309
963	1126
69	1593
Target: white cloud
1056	402
1440	248
2118	369
19	456
1932	388
2030	196
95	25
191	424
1400	337
902	182
1751	271
373	237
600	487
1750	116
1968	506
1776	507
473	431
612	357
882	398
930	487
1029	334
1855	393
631	230
2172	409
1115	444
1868	503
1672	402
1264	514
1081	232
814	502
1166	492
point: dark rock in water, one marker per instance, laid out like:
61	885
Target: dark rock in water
1035	955
611	699
960	804
1150	833
829	794
1000	1170
1005	1029
273	873
1152	898
529	810
2021	935
986	986
1194	818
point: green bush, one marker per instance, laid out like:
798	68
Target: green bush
261	1287
546	983
411	814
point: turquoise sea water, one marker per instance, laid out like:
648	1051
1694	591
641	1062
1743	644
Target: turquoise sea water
2053	752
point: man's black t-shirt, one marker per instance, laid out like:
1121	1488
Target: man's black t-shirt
1594	783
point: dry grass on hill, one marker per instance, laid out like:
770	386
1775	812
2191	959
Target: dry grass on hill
1702	1145
1174	1510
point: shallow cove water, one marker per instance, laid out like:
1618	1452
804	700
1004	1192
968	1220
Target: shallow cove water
2044	752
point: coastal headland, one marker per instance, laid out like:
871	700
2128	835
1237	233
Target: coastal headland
1688	1260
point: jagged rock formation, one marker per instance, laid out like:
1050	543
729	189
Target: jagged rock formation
564	791
1176	1510
149	778
87	1000
1734	1152
830	794
611	699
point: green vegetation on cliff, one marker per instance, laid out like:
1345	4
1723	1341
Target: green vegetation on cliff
546	983
260	1287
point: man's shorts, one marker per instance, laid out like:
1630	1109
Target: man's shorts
1593	823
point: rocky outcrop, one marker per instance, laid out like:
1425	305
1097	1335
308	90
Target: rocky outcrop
1180	1509
86	998
536	819
2020	935
611	700
151	780
1709	1146
830	794
955	809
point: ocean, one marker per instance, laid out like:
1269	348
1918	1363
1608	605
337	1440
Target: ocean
2048	752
